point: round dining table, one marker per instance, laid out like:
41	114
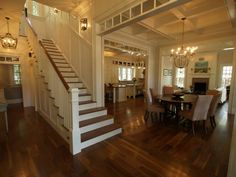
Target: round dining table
177	102
185	99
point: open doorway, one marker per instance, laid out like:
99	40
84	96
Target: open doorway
10	83
124	71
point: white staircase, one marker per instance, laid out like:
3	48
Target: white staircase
94	123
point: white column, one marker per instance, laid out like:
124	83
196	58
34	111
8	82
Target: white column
98	62
232	110
232	96
75	144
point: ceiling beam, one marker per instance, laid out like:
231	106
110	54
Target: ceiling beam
144	24
162	8
231	11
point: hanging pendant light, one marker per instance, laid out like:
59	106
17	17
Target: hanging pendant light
8	41
182	55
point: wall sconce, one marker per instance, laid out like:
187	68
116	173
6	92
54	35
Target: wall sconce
83	24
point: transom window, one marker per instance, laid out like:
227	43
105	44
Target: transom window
126	73
226	75
180	75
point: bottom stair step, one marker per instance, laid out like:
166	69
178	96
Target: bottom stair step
95	136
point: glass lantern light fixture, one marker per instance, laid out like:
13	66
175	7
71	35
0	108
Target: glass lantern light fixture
182	55
8	41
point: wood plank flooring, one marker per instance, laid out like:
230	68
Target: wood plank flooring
33	149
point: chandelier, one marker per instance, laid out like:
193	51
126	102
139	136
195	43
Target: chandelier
8	41
182	55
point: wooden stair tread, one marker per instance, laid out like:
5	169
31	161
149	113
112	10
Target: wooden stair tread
67	71
84	94
100	131
71	82
60	62
70	76
50	46
86	102
53	51
92	110
62	58
94	120
80	88
56	54
63	66
48	43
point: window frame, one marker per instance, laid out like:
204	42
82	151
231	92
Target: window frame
124	76
177	78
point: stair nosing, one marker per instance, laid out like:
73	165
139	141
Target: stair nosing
94	120
86	102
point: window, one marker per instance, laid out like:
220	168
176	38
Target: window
180	75
17	75
35	10
126	73
226	75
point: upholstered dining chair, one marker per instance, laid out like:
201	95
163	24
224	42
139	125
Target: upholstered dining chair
168	90
152	109
199	111
215	100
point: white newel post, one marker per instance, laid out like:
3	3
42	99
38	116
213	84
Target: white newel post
75	144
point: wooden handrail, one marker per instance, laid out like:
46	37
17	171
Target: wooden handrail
55	67
30	25
49	57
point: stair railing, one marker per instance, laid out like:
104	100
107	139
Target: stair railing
65	99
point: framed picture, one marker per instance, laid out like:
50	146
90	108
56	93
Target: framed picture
201	66
165	72
169	72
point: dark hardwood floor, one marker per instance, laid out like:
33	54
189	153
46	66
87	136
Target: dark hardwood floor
33	149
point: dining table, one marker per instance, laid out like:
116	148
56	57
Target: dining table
178	102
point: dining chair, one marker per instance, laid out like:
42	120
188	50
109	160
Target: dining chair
199	111
168	90
215	100
152	109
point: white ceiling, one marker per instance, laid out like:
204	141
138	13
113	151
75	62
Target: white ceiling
206	20
12	9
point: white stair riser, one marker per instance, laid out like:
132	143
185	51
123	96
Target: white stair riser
54	53
68	74
65	69
85	98
100	138
87	106
62	64
96	125
46	45
75	85
72	79
92	115
52	50
59	60
83	91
